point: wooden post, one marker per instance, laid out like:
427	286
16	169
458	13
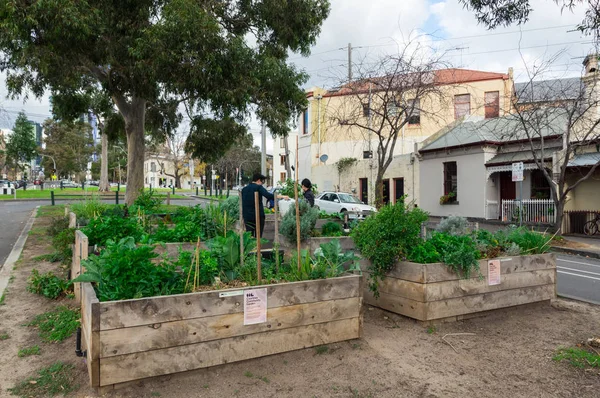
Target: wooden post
242	230
257	229
276	246
297	207
168	198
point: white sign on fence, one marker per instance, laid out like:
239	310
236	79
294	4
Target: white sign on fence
493	272
255	306
517	171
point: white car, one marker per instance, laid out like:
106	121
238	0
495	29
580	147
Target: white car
341	202
335	202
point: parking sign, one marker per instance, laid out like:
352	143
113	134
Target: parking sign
517	171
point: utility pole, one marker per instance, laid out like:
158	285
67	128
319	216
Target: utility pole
263	154
349	62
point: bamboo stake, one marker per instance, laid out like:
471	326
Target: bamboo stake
297	207
276	247
242	227
257	229
197	276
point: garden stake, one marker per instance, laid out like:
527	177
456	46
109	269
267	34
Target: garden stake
241	233
297	207
225	224
197	276
257	229
276	246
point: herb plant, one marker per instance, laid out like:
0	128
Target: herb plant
308	219
331	229
48	284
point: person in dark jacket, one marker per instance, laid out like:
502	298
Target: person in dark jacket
248	209
308	193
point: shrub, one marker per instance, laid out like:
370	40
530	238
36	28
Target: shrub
48	284
459	252
387	236
453	225
308	219
332	229
231	206
102	229
147	202
89	208
57	225
530	242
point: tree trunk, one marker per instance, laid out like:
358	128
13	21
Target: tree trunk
134	127
177	180
104	186
379	189
558	223
288	169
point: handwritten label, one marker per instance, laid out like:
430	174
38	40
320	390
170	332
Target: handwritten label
231	294
493	272
255	306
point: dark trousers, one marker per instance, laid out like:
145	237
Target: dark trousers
251	226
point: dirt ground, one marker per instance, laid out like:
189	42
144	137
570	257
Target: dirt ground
508	354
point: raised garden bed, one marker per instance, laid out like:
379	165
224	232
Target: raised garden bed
432	292
134	339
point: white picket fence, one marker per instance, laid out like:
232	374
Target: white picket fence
534	211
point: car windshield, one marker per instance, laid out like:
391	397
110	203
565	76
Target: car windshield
345	198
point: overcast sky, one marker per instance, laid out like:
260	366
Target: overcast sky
375	26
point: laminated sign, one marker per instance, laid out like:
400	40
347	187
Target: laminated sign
255	306
493	272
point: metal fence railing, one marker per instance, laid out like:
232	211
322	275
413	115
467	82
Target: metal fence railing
532	211
574	220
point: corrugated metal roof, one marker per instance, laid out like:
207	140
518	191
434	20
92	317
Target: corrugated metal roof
502	129
522	156
585	159
549	90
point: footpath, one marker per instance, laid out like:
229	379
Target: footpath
578	245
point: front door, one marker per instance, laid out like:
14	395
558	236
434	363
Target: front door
364	190
398	189
508	190
386	192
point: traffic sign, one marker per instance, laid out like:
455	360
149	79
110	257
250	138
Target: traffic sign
517	171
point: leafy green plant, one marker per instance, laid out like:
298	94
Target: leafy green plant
4	336
425	253
227	251
102	229
231	206
331	261
447	198
146	202
125	271
331	229
48	284
387	236
308	219
287	188
453	225
57	225
530	242
578	357
58	324
58	378
25	352
89	208
62	244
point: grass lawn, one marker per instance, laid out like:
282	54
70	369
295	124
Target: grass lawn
89	191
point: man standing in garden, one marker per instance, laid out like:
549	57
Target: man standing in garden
248	205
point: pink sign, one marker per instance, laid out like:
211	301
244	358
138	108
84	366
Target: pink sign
493	272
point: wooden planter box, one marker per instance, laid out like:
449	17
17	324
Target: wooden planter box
428	292
135	339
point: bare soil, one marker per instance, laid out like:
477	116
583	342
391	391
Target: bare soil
505	354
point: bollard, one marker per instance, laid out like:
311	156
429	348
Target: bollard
61	185
83	185
211	191
173	188
205	190
196	191
25	186
168	198
52	197
118	186
116	197
228	192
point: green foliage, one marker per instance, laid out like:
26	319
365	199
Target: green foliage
125	271
578	357
459	252
330	261
57	225
102	229
331	229
530	242
62	244
447	198
70	144
147	202
51	257
21	146
58	378
453	225
4	336
25	352
344	164
48	285
227	251
308	219
387	236
231	206
287	188
89	208
58	324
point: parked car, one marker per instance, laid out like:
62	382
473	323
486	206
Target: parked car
93	183
69	184
5	182
341	202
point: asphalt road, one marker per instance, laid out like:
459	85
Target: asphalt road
578	278
14	215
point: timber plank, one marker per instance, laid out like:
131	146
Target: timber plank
488	301
466	287
439	272
124	368
400	287
398	305
405	270
147	311
177	333
89	304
